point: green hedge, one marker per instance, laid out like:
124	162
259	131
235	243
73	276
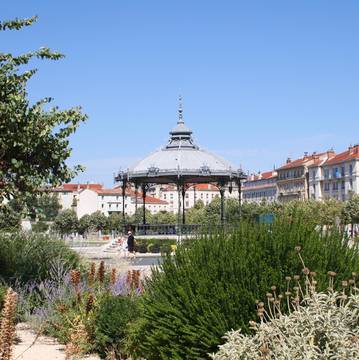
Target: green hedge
211	287
154	245
31	257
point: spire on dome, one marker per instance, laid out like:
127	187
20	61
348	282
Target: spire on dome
180	111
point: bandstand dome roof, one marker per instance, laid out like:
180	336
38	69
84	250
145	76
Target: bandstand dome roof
182	158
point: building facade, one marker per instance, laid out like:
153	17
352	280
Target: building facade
88	198
293	177
260	188
337	177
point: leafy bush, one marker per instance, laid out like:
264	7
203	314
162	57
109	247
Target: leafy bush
113	317
325	326
211	287
31	257
40	227
154	245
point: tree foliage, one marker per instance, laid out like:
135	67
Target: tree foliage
34	139
43	206
66	222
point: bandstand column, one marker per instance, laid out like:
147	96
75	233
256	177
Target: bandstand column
222	191
124	185
136	201
179	194
144	192
183	205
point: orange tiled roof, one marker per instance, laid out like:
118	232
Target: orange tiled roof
351	154
306	160
263	176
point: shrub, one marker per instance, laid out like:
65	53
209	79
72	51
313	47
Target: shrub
153	245
40	227
325	326
31	257
211	287
113	316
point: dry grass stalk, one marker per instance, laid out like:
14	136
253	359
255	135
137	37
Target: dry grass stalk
113	276
92	274
7	328
76	279
90	302
101	272
78	339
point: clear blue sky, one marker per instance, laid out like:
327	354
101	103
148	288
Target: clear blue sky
261	80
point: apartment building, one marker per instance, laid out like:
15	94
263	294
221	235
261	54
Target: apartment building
260	187
337	177
293	177
89	198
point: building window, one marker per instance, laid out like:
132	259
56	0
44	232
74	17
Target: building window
335	186
351	184
350	169
343	171
326	187
326	174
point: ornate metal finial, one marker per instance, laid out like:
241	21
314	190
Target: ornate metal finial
180	111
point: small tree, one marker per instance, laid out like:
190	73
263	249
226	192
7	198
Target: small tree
84	224
115	222
66	222
351	212
99	221
10	216
44	207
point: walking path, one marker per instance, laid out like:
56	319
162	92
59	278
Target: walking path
44	348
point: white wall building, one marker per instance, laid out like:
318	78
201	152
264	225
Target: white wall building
204	192
261	187
89	198
337	177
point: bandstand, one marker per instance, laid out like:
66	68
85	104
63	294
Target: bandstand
182	163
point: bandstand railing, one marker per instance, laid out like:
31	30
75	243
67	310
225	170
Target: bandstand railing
174	229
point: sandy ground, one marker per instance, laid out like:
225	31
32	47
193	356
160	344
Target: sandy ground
45	348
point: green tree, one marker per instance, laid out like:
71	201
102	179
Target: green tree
99	221
66	222
115	221
137	217
44	207
34	141
351	212
10	216
164	217
84	224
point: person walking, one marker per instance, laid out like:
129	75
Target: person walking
130	243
